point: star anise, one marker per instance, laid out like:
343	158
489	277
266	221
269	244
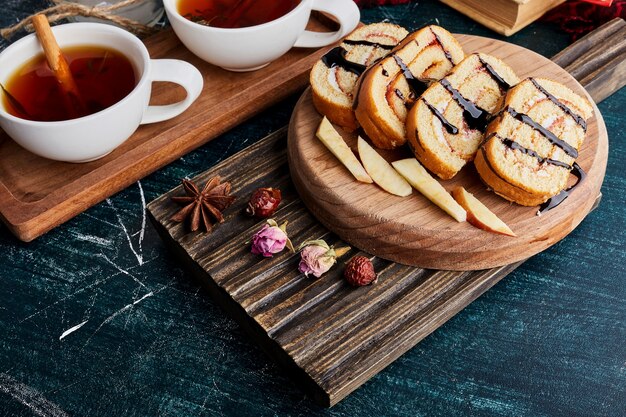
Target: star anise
203	209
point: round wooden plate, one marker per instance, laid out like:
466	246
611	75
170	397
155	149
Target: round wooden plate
414	231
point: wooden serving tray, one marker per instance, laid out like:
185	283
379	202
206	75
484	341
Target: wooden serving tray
38	194
412	230
329	336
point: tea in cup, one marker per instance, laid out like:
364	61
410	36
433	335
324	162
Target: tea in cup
245	35
114	74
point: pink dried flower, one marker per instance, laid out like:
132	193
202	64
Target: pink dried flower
271	239
317	257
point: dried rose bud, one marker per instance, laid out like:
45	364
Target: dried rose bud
271	239
264	202
317	257
360	271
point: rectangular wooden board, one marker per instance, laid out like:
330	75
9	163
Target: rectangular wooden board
37	194
335	335
329	336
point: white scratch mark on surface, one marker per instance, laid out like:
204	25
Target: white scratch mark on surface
29	397
143	217
123	309
94	239
81	290
72	330
98	219
121	223
388	16
122	270
117	313
230	145
60	300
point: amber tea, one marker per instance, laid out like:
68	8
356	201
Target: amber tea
103	76
234	13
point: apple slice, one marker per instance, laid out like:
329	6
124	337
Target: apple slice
479	215
327	134
381	172
423	182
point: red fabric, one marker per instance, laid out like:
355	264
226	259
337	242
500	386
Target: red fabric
581	17
372	3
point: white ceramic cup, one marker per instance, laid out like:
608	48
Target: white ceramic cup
92	137
253	47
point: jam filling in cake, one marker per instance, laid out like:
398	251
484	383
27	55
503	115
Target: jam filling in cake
447	125
531	148
389	89
334	77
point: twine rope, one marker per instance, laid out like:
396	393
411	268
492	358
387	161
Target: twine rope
64	9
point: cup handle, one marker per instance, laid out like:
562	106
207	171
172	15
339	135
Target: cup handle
347	14
178	72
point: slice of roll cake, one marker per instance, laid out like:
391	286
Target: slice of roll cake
334	77
530	149
388	89
447	124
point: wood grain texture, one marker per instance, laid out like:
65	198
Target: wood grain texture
602	70
545	341
37	194
331	336
412	230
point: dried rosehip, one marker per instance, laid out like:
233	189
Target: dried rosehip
359	271
263	202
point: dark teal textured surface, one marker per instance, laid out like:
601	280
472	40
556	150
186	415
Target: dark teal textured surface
549	340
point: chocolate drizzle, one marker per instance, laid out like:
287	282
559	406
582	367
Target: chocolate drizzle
567	148
445	51
417	85
560	197
578	119
336	57
453	130
475	117
399	94
516	146
355	102
385	73
504	86
369	43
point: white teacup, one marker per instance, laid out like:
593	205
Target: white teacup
92	137
253	47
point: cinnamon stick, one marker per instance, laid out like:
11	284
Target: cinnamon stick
58	64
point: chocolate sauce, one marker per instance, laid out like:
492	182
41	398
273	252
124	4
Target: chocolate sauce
369	43
385	73
578	119
336	57
399	94
445	51
417	85
410	143
516	146
492	169
475	117
567	148
504	86
453	130
355	102
560	197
